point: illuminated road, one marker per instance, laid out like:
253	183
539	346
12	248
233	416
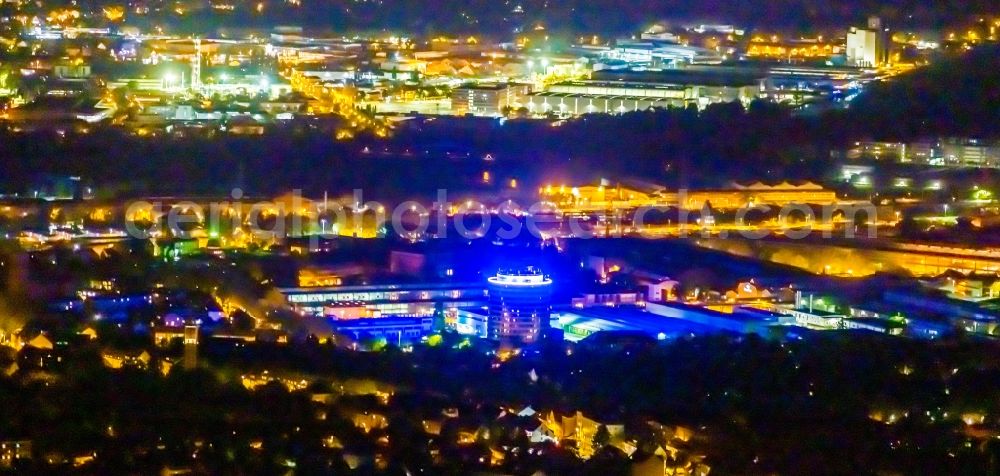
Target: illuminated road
340	101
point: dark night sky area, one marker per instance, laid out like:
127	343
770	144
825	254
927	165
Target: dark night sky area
600	16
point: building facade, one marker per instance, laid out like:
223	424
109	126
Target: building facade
946	152
575	98
488	99
395	330
867	47
377	300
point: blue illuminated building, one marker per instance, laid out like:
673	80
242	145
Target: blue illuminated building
395	330
520	304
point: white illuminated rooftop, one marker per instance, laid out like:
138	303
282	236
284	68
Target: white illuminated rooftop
527	277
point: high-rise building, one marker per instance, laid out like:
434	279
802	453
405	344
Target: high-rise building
520	305
868	47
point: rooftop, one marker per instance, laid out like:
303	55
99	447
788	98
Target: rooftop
626	318
485	86
731	78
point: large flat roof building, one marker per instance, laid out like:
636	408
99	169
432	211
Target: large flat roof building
386	299
626	91
54	109
588	198
655	52
578	324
